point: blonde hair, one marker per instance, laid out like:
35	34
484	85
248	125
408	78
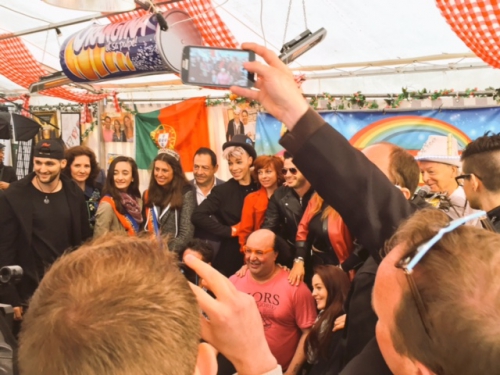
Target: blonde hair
118	305
234	151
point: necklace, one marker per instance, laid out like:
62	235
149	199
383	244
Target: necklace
46	200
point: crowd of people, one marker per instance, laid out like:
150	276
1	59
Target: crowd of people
327	260
217	70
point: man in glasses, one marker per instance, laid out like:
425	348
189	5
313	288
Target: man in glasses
481	177
288	312
287	206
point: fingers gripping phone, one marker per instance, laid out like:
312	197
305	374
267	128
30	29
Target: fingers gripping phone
216	67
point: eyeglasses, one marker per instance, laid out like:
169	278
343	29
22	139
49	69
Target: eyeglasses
249	251
460	179
293	171
409	262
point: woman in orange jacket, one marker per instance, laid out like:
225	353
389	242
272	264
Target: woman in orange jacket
267	170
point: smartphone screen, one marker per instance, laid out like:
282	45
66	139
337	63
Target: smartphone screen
216	67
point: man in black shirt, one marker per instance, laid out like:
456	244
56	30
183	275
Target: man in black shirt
7	174
43	215
286	207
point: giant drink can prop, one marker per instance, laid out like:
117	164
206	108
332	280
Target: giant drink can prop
126	49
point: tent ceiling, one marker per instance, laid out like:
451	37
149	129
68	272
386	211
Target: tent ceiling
359	32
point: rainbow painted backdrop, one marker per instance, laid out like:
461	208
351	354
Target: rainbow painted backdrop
408	129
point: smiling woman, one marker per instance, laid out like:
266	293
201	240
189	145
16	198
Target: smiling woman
120	208
169	201
82	167
220	213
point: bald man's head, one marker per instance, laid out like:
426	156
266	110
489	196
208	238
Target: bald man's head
399	166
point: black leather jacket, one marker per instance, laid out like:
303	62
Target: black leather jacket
285	211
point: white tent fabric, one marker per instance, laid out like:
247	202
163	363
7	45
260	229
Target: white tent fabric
358	32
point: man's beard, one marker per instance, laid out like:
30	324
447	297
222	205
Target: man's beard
51	179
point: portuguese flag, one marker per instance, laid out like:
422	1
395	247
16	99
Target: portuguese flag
182	127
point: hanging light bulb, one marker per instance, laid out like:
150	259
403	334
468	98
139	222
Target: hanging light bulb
94	5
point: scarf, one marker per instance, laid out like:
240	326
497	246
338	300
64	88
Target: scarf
132	207
128	222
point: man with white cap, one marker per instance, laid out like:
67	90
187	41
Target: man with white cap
439	163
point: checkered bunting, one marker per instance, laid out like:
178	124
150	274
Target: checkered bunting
213	30
18	65
477	24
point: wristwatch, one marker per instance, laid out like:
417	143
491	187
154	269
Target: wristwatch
298	259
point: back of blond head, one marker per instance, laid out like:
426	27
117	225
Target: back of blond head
115	306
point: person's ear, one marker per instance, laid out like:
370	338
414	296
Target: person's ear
206	362
422	369
406	192
63	163
475	182
216	168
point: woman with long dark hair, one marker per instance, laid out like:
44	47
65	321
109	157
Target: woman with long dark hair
121	204
82	167
128	128
169	201
330	288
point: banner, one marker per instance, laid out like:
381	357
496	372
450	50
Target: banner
182	127
406	129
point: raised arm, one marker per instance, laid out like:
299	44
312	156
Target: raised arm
371	207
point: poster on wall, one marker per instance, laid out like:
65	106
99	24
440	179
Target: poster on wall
117	127
242	120
409	129
70	129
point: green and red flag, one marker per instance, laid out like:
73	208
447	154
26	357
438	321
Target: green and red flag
182	127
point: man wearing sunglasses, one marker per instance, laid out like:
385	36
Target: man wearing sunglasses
481	177
287	206
371	206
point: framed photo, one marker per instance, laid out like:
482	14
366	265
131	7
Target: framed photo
70	129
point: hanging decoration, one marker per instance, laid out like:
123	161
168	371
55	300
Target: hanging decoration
213	30
19	66
477	24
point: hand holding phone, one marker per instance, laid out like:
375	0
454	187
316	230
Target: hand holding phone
216	67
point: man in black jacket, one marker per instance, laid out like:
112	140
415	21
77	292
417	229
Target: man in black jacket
7	174
43	215
287	205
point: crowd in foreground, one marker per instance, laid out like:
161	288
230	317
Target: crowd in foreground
397	286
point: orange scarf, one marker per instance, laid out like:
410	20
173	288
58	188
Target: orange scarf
126	221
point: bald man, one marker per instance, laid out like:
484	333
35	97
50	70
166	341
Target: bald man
288	312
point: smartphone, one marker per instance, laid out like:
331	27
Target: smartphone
189	274
216	67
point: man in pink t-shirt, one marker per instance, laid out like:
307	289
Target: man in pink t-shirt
288	312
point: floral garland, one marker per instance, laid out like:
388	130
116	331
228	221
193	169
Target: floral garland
233	100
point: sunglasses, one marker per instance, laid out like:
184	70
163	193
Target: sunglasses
293	171
409	262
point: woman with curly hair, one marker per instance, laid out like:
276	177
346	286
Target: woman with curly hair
82	167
